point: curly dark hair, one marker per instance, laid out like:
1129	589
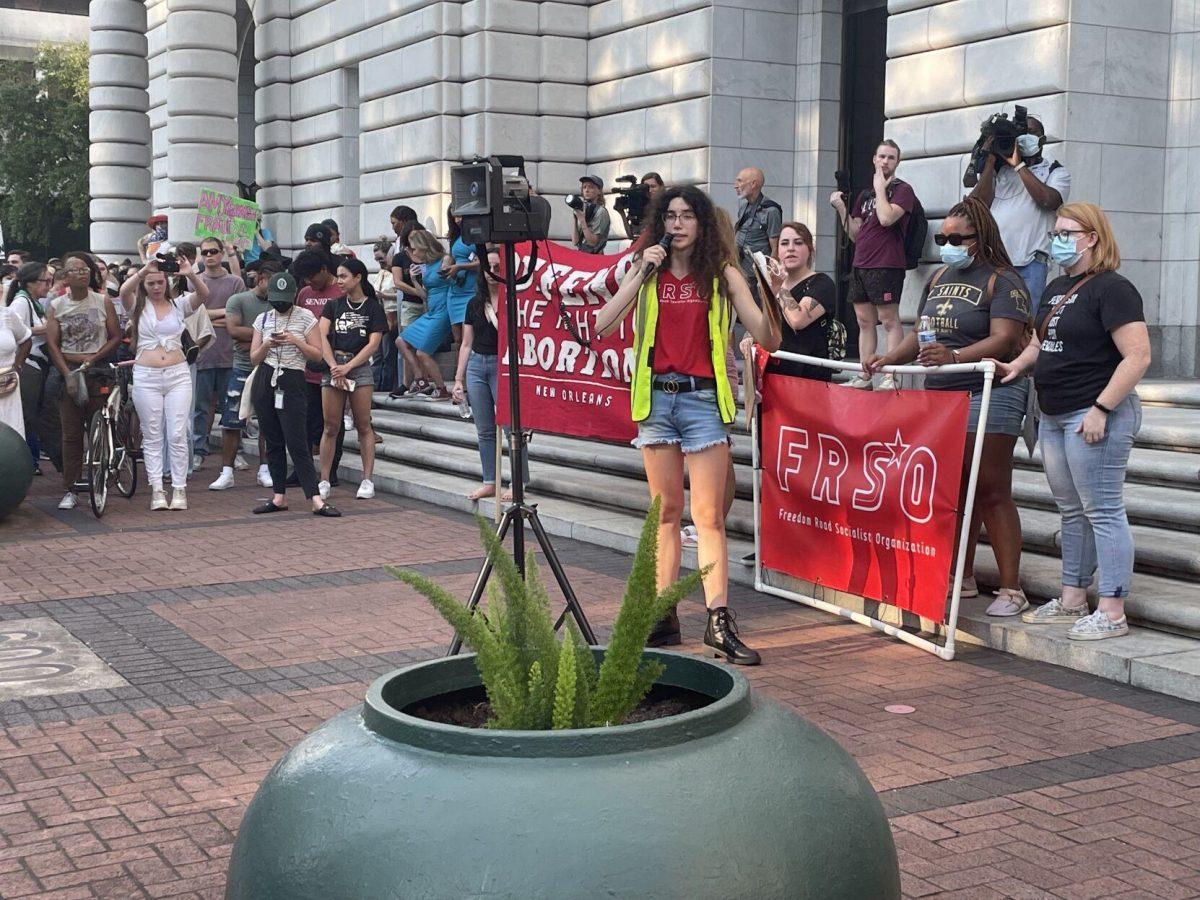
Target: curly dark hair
989	246
713	250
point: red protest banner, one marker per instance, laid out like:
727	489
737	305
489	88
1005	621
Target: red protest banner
567	388
860	489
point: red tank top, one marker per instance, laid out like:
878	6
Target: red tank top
681	342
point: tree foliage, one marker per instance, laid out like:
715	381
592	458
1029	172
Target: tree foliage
534	681
44	145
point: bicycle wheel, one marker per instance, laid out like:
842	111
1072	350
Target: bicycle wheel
124	457
99	461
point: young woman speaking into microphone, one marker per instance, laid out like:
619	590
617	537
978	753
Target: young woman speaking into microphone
683	287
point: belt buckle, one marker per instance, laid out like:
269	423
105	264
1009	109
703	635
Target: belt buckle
670	387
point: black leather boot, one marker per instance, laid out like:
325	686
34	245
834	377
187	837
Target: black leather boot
721	639
665	632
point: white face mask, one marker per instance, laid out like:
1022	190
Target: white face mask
1029	145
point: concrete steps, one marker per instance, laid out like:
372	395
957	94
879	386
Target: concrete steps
596	492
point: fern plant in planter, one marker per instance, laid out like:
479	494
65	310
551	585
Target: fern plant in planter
534	681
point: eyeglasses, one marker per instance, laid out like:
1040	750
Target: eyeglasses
685	217
78	271
211	251
1066	233
954	240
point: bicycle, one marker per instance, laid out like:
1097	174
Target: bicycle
113	439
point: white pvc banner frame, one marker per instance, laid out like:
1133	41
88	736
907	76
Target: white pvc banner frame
946	650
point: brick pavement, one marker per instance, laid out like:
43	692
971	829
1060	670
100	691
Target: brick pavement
237	635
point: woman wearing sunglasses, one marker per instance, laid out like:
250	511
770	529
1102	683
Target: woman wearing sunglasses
681	394
1090	350
979	309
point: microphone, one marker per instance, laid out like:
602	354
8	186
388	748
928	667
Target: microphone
665	243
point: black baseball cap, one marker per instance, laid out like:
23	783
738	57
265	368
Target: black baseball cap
317	232
594	179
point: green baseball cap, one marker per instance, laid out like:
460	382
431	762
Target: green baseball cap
282	287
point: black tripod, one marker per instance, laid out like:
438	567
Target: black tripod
515	515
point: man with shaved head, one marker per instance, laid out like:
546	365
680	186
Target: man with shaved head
759	221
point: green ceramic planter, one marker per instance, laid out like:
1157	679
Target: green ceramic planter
742	798
16	470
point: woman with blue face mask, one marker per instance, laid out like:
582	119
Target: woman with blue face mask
1089	351
978	308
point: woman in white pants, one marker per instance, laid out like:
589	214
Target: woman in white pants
162	383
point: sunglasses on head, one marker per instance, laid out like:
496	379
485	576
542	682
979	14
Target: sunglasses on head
210	251
954	240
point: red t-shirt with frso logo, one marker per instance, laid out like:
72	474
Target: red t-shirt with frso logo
681	343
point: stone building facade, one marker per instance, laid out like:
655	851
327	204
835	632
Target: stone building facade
345	108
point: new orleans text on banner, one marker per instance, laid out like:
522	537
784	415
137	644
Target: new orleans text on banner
565	387
860	489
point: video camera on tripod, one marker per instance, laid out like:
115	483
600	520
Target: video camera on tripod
997	137
496	203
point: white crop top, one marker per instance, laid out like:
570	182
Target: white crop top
165	333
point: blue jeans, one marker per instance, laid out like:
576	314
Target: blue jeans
1087	482
1033	274
210	384
482	392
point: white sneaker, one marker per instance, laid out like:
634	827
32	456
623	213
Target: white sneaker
224	480
197	461
69	501
323	489
859	383
264	477
240	463
887	383
366	489
158	499
348	421
178	498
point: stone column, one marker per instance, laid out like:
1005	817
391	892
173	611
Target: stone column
118	126
202	106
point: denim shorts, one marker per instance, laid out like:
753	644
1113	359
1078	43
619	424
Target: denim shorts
362	376
1006	408
232	400
689	419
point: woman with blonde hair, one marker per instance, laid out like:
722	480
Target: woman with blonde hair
420	340
681	396
1089	351
162	381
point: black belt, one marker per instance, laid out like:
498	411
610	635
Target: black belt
682	384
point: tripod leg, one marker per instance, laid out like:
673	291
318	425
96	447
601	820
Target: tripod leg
481	580
560	576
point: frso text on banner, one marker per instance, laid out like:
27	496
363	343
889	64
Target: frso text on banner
567	388
229	218
860	490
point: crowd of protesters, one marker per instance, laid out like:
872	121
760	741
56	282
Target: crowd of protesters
302	344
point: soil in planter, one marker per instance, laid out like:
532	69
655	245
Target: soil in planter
470	709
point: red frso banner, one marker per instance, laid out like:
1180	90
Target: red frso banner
565	387
860	489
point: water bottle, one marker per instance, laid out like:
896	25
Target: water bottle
464	408
925	333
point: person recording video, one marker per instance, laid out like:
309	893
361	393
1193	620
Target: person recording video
589	231
685	286
1024	192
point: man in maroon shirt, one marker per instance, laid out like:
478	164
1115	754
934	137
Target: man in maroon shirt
877	224
314	269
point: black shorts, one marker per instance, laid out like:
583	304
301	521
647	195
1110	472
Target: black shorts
881	287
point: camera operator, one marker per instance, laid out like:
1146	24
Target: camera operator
589	231
877	224
653	182
1024	192
759	221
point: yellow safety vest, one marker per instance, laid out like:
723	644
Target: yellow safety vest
645	324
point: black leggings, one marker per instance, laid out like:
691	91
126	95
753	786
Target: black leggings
284	429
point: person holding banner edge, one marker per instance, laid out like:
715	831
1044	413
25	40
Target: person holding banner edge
684	285
979	308
1090	349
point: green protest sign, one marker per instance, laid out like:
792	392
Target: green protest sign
229	218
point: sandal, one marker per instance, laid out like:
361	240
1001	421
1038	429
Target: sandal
1008	602
269	507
